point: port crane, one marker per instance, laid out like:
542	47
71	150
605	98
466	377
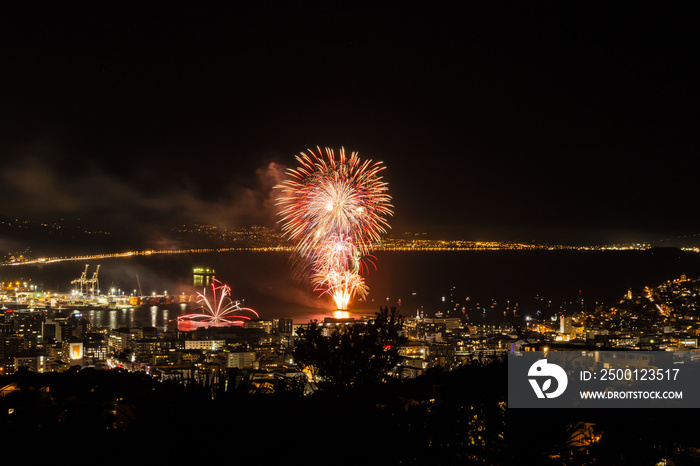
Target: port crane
94	281
84	283
82	280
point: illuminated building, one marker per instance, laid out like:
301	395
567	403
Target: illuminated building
73	349
688	343
264	325
240	359
146	349
565	325
33	361
204	344
95	349
282	325
450	323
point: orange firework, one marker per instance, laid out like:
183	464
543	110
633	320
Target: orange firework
335	210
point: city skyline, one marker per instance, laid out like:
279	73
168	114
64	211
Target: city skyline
538	159
496	123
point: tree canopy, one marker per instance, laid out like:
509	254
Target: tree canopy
352	354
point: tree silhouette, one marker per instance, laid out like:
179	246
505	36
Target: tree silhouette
353	354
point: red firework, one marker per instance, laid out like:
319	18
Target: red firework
335	210
220	310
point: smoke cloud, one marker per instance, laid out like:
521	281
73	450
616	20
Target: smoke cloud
44	188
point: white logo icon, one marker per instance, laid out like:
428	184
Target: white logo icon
543	369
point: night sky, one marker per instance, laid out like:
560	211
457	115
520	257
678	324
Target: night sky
561	121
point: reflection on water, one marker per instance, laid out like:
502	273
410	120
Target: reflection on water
164	318
158	317
110	318
480	283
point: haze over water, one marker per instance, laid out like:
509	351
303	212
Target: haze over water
412	281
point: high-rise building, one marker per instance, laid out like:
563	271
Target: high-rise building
282	325
565	325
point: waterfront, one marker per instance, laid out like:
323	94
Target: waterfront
426	282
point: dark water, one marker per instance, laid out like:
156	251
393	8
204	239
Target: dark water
413	281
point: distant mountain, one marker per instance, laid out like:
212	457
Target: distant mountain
29	238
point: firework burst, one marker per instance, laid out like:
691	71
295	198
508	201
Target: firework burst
219	310
334	210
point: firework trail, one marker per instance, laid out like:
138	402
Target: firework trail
334	210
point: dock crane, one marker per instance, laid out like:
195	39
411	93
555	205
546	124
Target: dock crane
82	280
84	283
94	281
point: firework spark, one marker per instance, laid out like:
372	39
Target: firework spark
220	310
335	210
